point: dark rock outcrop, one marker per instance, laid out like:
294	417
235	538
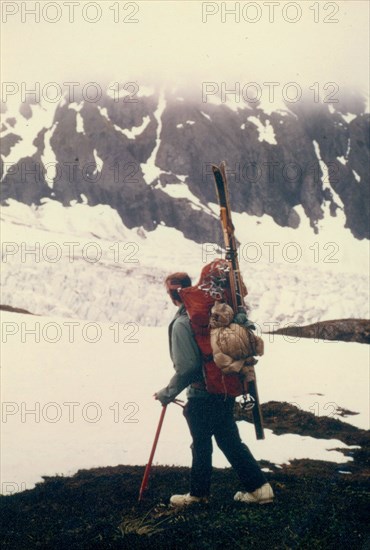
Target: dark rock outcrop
346	330
14	309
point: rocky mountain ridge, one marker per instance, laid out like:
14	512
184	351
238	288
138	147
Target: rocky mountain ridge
150	160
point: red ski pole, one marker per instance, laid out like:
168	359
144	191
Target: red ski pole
144	483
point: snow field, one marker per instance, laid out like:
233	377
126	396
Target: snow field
88	265
74	404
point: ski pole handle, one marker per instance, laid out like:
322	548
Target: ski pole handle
144	483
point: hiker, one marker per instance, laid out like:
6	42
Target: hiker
207	414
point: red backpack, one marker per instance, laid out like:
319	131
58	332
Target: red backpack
198	300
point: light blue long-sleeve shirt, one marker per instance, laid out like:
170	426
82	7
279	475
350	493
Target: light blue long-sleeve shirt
186	359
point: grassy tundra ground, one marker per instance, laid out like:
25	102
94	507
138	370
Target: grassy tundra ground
317	506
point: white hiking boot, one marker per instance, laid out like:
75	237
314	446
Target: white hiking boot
185	500
262	495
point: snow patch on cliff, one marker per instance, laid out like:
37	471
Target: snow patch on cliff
326	174
266	131
98	161
150	170
137	130
49	159
27	129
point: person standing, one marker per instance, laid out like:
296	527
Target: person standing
207	414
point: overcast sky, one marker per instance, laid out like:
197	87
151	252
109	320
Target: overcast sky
171	43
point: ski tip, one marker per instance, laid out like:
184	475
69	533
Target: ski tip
216	168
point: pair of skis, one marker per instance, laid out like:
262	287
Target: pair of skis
236	284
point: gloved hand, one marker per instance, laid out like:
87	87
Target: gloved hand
162	397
